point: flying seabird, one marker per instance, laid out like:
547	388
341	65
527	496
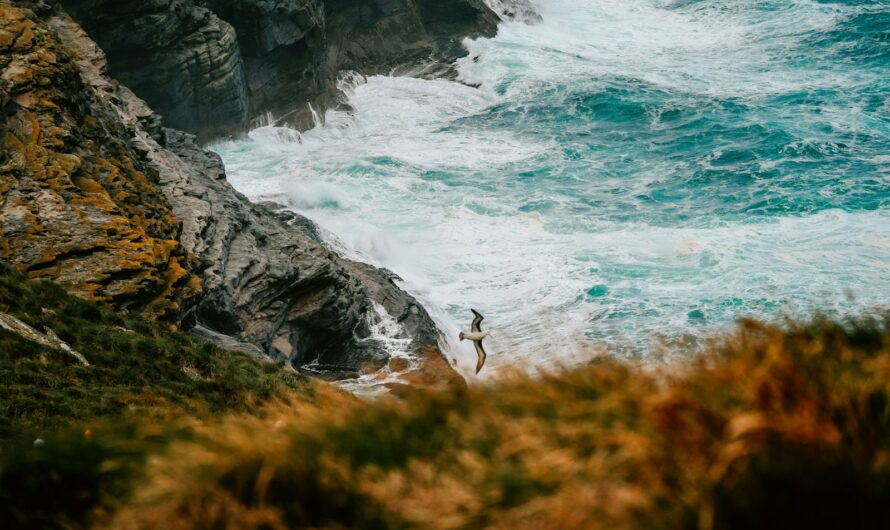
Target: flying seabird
476	335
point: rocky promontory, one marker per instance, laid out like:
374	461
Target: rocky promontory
210	67
99	195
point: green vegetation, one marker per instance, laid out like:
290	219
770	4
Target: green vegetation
775	427
137	368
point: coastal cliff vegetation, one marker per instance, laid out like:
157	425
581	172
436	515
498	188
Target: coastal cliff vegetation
784	426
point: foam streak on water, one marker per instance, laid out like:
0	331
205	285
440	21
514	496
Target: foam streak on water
628	170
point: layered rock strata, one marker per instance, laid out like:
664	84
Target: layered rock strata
98	195
78	203
211	66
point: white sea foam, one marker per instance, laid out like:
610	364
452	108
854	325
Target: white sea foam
399	183
723	47
387	331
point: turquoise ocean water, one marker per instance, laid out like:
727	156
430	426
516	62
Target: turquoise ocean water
627	172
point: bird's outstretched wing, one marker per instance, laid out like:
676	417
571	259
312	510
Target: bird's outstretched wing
476	321
481	352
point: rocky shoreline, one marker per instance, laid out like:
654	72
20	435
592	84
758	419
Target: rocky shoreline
212	67
99	195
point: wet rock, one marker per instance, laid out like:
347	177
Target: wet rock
271	284
516	11
176	55
212	67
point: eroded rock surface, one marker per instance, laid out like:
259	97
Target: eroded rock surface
78	204
275	282
211	66
176	55
98	195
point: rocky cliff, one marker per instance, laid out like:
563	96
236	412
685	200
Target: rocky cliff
98	195
210	66
78	203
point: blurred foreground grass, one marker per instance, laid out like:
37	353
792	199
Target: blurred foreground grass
771	428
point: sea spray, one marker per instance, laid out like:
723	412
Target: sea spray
627	172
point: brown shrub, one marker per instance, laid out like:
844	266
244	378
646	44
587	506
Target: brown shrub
772	428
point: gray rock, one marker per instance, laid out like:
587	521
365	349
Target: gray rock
268	283
49	339
186	60
176	55
233	271
230	343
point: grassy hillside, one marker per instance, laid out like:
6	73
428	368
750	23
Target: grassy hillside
137	368
773	428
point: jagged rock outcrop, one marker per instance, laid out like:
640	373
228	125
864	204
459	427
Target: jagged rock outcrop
186	60
276	282
77	203
96	194
283	48
176	55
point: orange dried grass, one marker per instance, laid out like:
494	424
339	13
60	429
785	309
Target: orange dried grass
767	422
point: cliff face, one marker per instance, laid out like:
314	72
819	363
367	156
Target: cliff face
271	278
178	56
96	194
78	203
210	66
